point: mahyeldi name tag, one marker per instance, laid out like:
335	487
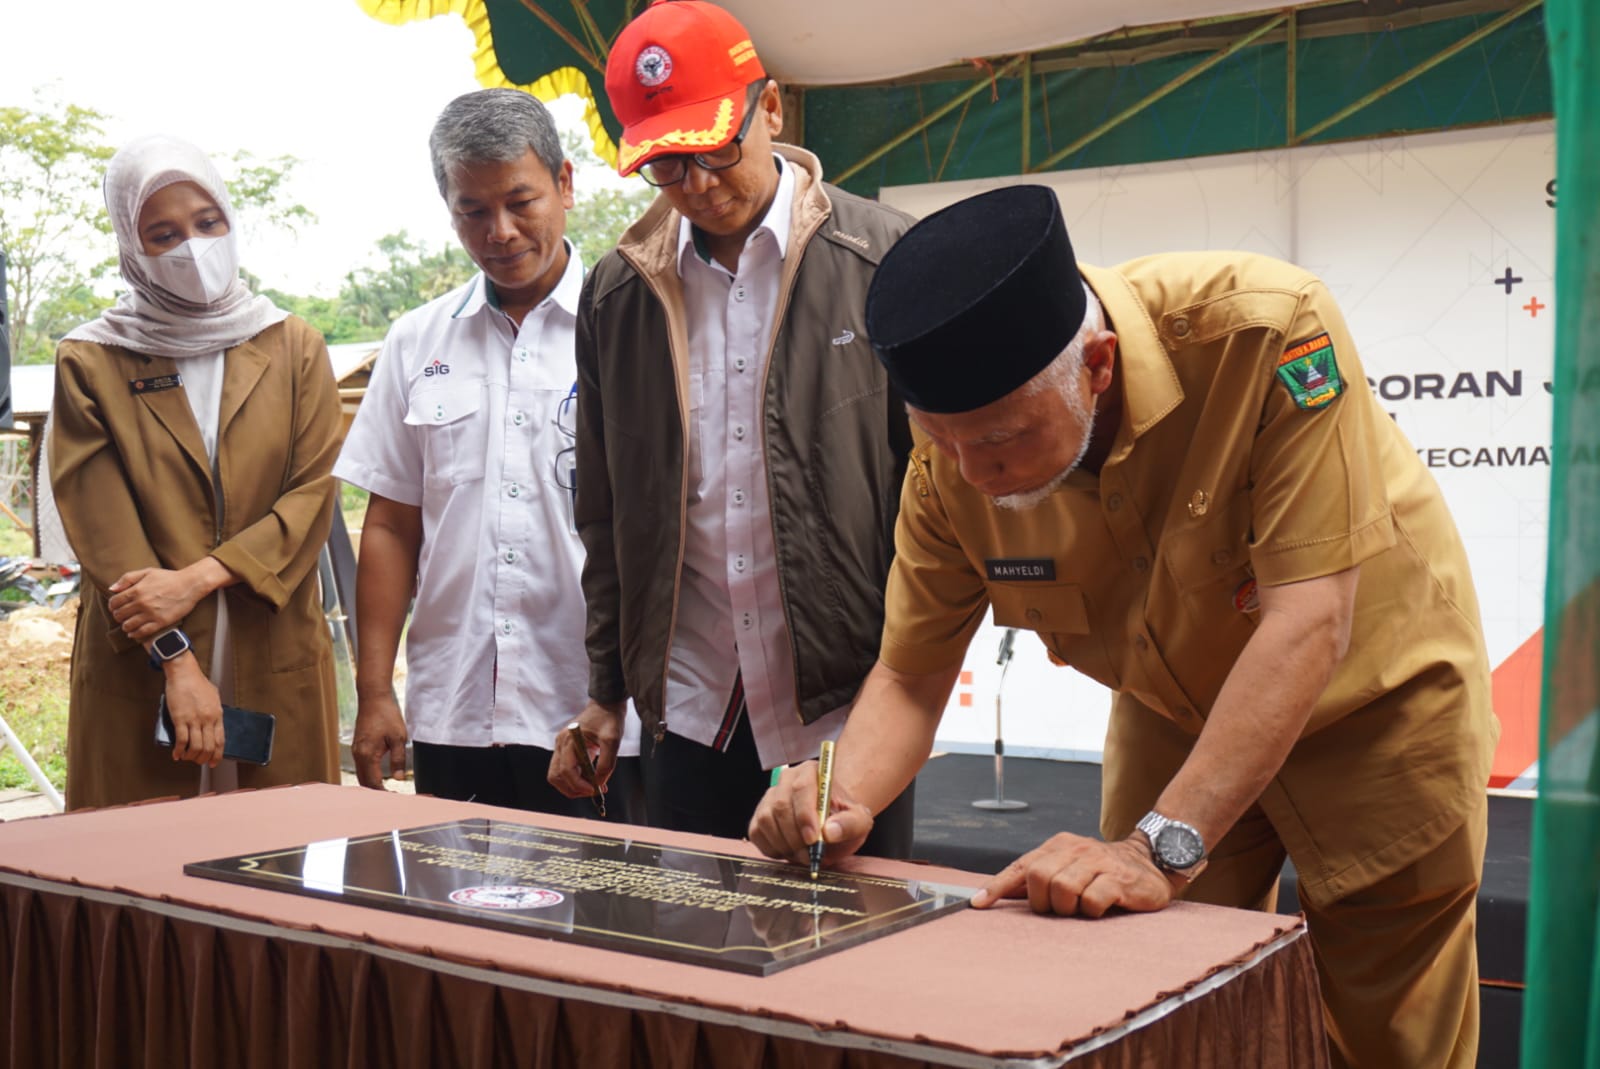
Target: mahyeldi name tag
1020	569
155	383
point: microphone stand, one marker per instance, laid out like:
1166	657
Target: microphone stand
1000	801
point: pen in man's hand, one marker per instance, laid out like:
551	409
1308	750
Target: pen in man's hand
824	787
586	767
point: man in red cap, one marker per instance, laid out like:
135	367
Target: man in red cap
740	449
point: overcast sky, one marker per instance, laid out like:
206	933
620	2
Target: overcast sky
351	97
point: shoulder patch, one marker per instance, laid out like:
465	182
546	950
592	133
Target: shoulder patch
1310	373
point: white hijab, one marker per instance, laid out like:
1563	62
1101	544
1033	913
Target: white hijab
147	318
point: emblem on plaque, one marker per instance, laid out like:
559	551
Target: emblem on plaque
506	897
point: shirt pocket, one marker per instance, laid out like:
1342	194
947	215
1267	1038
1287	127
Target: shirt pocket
1204	598
454	429
1060	614
1210	554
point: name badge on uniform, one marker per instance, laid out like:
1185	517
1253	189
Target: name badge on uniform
155	384
1020	569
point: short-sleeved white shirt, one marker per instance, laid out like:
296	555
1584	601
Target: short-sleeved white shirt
468	418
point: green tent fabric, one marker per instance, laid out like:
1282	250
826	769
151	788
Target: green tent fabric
1562	1007
1237	106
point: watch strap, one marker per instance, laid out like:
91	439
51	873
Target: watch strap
158	658
1152	824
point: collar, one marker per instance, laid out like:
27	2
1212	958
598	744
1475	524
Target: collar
480	291
779	215
1150	386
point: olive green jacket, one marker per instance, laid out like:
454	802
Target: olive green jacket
835	437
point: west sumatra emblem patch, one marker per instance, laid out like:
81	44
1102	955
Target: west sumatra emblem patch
1247	597
653	66
1310	374
506	897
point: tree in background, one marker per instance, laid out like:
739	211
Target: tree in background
605	205
408	273
55	231
53	222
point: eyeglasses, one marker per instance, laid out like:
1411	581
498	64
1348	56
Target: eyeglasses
566	464
672	169
567	479
566	420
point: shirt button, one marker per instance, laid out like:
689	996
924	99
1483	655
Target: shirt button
1140	564
738	563
511	556
1033	616
513	490
505	627
1114	502
738	431
748	621
1198	503
1180	327
1141	643
738	294
521	353
438	412
1221	556
738	497
738	363
519	419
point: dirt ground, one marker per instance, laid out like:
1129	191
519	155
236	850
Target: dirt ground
39	638
35	657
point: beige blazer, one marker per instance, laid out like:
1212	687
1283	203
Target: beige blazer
134	488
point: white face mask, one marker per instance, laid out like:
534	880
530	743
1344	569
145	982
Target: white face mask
198	271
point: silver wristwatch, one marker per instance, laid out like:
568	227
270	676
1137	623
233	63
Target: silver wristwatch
1177	847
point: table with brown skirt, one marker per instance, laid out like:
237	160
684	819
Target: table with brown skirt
112	956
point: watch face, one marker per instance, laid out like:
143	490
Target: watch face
1178	846
169	645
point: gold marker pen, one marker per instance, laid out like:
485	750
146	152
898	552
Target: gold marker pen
586	767
824	787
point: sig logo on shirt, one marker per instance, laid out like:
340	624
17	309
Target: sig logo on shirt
438	367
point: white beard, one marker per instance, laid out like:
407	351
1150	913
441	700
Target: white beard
1083	413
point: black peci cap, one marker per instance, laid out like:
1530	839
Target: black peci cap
976	299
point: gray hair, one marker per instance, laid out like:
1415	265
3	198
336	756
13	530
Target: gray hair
1062	372
493	125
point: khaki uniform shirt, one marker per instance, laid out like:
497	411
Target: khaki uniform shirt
1250	451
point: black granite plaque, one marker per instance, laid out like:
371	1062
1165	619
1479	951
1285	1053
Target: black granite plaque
685	905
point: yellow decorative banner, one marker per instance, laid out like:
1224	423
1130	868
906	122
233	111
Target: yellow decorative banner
486	65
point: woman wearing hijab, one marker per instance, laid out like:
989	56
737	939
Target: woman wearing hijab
194	430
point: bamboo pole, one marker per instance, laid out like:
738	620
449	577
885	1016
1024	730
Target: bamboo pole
1415	72
1177	83
932	117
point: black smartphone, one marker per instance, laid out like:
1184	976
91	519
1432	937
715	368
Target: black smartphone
246	734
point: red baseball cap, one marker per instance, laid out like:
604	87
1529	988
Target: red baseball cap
676	77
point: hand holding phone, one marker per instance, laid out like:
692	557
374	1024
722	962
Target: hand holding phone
246	734
195	709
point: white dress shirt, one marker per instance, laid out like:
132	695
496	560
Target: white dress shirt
730	607
468	417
